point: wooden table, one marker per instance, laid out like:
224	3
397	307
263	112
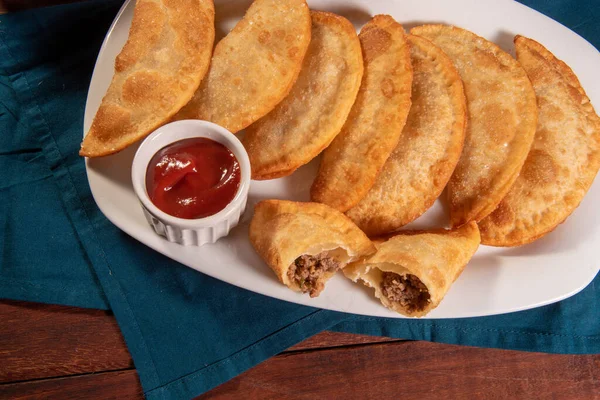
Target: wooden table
55	352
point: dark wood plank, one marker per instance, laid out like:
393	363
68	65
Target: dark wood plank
335	339
417	370
42	341
410	370
39	341
122	385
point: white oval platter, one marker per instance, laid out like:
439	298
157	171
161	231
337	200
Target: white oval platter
496	280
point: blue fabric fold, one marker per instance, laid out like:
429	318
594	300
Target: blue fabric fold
186	332
37	232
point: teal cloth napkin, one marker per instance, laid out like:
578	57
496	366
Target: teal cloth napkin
187	332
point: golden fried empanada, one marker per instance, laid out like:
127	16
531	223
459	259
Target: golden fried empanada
160	67
412	271
254	67
352	162
564	158
308	119
429	148
305	243
502	116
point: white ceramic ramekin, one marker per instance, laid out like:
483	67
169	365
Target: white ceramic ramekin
190	232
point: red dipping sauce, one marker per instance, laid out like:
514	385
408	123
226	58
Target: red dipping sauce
193	178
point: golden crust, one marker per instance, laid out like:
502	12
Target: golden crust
502	116
437	258
564	158
281	231
160	67
254	66
313	113
352	162
430	146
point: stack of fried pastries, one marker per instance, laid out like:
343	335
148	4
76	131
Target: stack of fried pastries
514	142
398	118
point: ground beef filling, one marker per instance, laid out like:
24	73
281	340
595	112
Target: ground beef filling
408	290
306	271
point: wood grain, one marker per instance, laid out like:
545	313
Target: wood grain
122	385
407	370
335	339
417	370
42	341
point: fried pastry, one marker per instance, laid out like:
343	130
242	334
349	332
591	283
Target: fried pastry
305	243
502	116
308	119
254	67
352	162
156	73
564	158
412	271
417	171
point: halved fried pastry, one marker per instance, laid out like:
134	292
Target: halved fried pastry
564	158
308	119
160	67
417	171
305	243
352	162
412	271
254	67
502	116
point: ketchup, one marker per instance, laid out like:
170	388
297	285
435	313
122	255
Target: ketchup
193	178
